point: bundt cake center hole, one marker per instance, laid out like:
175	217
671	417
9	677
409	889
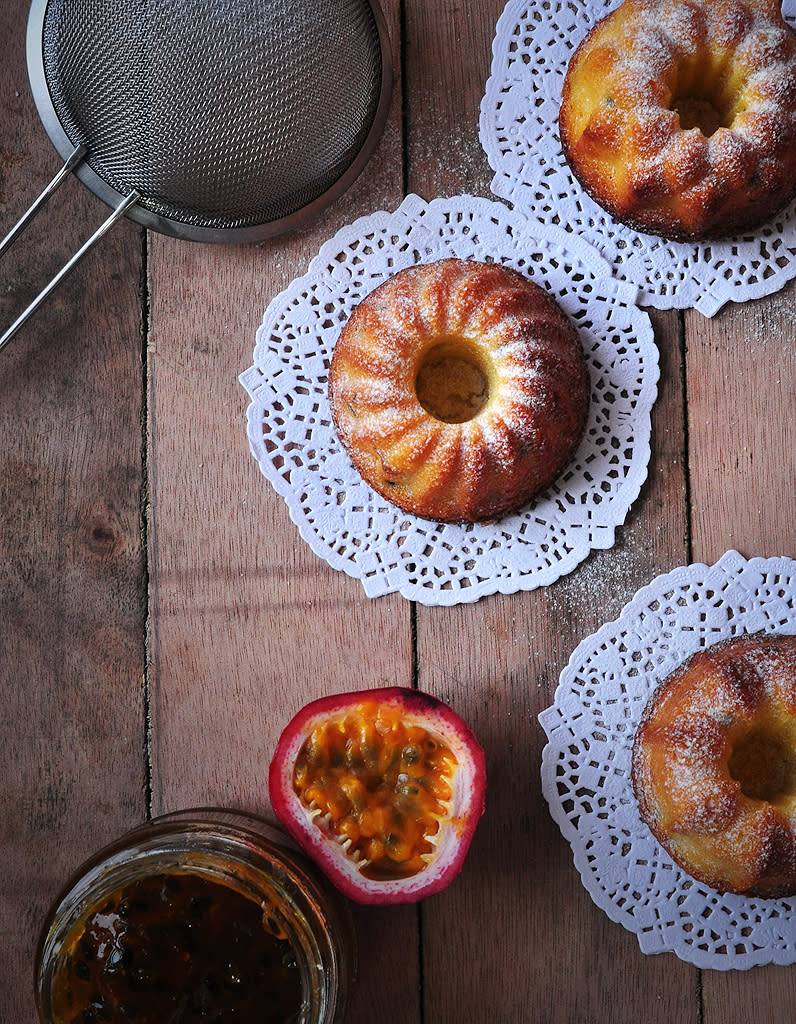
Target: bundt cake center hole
706	108
452	382
762	764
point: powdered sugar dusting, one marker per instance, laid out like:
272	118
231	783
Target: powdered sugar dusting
534	43
494	433
682	25
691	727
387	377
357	531
638	126
587	763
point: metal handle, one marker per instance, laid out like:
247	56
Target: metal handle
73	160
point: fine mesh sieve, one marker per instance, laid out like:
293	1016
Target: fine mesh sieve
218	121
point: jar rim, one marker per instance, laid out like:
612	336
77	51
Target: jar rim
239	849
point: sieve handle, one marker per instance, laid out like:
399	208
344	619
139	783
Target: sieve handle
118	211
73	160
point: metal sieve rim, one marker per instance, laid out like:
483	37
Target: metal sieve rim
179	229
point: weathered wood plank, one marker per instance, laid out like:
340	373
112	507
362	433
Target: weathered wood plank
742	444
531	924
517	935
71	563
742	428
247	623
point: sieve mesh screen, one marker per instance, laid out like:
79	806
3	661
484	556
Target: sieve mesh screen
222	115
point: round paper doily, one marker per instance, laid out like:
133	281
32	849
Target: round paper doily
291	434
586	763
519	132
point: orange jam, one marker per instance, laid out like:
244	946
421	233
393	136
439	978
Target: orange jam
177	947
380	785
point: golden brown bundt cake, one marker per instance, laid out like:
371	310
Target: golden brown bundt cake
459	390
679	116
714	765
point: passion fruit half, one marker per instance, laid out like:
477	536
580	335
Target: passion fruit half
383	788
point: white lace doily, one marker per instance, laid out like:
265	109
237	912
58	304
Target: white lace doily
586	763
291	434
519	132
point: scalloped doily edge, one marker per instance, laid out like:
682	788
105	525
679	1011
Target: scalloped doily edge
604	538
551	720
705	301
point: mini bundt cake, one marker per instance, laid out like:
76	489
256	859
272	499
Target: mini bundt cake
714	765
459	390
679	116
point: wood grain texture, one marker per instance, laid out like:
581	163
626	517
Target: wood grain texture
248	624
533	942
499	663
152	651
742	428
72	767
742	445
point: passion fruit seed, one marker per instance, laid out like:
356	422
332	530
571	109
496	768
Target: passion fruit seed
379	785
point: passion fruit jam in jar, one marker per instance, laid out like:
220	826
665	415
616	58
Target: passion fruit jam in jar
198	917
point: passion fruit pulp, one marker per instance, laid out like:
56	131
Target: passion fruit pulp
383	788
380	785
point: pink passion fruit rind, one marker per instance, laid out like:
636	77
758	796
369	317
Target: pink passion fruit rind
383	788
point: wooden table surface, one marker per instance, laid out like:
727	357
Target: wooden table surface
161	619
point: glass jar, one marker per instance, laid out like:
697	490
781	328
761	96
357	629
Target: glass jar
197	912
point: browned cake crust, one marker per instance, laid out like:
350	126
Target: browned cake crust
714	765
679	116
459	390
